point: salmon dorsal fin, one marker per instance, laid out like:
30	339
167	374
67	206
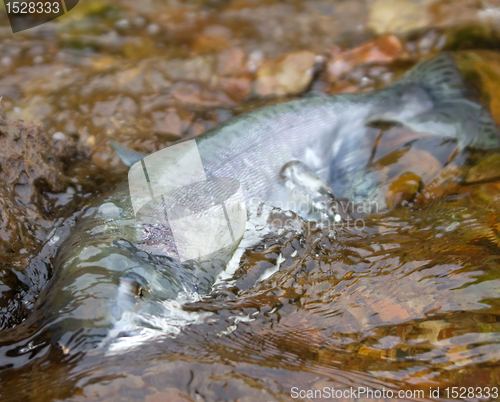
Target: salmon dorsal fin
128	156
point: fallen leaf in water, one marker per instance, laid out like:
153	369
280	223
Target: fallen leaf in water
447	182
381	50
402	188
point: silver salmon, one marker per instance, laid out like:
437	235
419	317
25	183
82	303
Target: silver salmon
172	226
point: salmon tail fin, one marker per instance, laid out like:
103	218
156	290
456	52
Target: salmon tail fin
439	76
452	114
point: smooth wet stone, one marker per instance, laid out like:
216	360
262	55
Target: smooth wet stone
288	74
398	16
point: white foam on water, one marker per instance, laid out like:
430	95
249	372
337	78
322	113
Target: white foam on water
168	324
146	328
256	228
270	271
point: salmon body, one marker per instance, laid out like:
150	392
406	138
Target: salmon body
173	225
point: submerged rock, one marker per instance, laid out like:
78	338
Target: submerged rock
32	198
29	164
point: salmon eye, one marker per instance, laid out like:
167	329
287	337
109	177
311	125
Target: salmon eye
134	288
137	289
